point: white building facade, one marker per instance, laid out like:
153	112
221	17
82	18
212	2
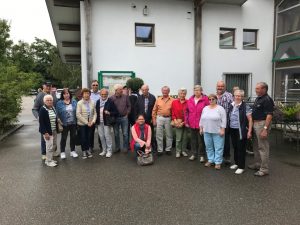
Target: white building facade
191	41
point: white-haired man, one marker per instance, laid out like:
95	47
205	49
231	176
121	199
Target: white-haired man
123	106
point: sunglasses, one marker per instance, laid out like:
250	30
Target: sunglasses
95	85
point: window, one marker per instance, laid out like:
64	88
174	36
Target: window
288	50
144	34
249	39
227	37
242	80
287	4
288	21
287	84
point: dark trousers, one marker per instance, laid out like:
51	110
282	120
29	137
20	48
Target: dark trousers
85	132
197	143
64	135
91	137
239	147
43	145
226	153
153	139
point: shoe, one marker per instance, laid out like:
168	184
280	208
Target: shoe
102	153
56	154
89	154
207	164
177	155
192	158
84	156
92	150
108	154
54	161
253	167
218	166
202	160
62	155
168	153
74	154
184	154
117	151
159	153
249	152
44	157
51	163
260	174
239	171
227	161
233	167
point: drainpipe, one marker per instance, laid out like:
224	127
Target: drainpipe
198	30
83	25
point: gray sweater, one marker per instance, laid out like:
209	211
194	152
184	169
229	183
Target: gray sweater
212	120
39	102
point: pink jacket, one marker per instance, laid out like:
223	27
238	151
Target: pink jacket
193	112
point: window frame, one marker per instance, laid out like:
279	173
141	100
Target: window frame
233	39
256	39
144	44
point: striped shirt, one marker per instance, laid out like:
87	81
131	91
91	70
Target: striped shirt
52	117
225	100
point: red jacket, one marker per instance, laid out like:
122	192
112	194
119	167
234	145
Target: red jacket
178	109
135	131
193	112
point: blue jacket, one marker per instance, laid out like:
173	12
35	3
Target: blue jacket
61	111
45	125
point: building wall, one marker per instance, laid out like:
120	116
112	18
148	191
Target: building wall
170	63
254	14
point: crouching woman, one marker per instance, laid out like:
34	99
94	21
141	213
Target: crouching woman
141	136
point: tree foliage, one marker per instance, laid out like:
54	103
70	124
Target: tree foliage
135	84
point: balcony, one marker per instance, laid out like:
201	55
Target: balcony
227	2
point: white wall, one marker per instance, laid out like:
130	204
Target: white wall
254	14
170	63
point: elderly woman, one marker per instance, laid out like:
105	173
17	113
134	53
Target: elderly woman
48	126
141	136
178	109
193	113
66	113
212	125
86	118
240	124
106	112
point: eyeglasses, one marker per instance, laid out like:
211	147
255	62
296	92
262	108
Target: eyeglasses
95	85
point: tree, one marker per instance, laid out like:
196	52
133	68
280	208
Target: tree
22	56
135	84
5	42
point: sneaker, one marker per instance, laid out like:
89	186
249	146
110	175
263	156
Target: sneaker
184	154
249	152
202	160
253	167
50	163
260	174
44	157
74	154
192	158
233	167
84	155
239	171
177	155
207	164
227	161
102	153
218	166
54	161
62	155
89	154
108	154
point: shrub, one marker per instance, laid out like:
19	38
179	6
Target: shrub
135	84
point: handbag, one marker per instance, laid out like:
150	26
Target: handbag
110	120
60	128
144	159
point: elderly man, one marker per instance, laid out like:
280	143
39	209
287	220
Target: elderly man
38	103
225	98
95	96
161	118
144	105
262	113
123	106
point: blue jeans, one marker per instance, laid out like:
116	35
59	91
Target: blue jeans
43	145
123	122
84	137
214	144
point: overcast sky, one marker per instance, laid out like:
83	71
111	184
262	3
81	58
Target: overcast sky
28	19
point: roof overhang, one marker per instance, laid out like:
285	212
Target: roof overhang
227	2
65	19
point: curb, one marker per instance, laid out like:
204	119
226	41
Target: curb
11	131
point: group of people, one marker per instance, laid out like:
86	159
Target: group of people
210	122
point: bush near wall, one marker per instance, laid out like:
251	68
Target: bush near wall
13	84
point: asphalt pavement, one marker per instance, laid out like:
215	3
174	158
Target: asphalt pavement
116	191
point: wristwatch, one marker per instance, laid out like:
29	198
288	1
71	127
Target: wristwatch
265	127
